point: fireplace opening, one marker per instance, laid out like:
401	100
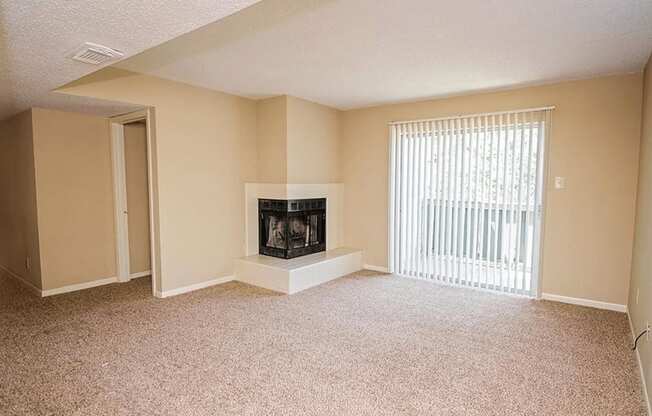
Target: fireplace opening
291	228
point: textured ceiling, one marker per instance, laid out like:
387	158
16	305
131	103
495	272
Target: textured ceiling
351	54
36	37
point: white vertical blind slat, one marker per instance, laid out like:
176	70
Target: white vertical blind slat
412	202
404	198
483	205
520	283
511	205
529	199
407	237
474	204
395	254
503	193
415	201
476	200
398	222
446	200
392	197
438	237
455	235
452	250
424	205
430	207
421	183
518	275
417	187
466	183
493	236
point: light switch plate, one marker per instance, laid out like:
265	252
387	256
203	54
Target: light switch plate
560	182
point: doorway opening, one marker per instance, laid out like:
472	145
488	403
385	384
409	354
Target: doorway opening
131	144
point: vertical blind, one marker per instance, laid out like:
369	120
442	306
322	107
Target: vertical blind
465	199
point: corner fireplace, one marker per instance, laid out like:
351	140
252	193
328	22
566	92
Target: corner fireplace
291	228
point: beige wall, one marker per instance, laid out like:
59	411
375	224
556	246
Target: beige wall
271	139
74	185
207	165
594	144
640	293
297	141
135	135
204	152
208	144
313	133
18	219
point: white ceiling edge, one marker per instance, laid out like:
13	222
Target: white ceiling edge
85	105
36	39
350	55
496	89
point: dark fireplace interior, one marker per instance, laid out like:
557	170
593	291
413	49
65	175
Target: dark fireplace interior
291	228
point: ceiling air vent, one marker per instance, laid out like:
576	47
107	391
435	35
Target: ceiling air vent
92	53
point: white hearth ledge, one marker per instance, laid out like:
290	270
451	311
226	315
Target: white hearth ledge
294	275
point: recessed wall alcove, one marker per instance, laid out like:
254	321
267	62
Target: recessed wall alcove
293	275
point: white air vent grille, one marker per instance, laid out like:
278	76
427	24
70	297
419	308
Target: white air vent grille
92	53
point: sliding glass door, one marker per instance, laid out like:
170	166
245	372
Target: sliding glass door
466	199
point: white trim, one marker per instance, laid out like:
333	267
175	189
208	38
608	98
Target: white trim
585	302
22	280
457	116
131	117
540	234
197	286
375	268
152	178
79	286
120	201
140	274
147	115
640	367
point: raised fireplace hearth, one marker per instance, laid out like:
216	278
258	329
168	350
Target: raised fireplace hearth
291	228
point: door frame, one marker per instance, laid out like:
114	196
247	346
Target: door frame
541	231
120	196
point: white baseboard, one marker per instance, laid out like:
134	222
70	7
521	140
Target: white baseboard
197	286
375	268
140	274
30	286
585	302
79	286
640	367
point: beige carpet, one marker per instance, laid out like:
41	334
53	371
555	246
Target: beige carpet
361	345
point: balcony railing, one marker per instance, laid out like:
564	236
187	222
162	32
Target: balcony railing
475	242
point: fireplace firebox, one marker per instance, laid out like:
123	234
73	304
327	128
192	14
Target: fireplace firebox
291	228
